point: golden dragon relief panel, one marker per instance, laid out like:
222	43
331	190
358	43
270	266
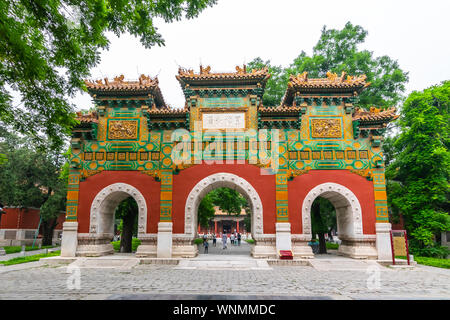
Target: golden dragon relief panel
123	129
326	128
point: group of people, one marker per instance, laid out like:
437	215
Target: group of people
235	239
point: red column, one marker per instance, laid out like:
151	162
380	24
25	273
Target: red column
215	226
237	226
198	229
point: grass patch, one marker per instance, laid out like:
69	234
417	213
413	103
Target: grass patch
15	249
428	261
251	241
32	258
332	246
433	262
135	243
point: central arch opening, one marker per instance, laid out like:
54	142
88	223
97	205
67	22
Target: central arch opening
224	223
236	183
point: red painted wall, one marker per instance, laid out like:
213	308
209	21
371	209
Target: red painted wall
360	186
185	181
26	218
146	185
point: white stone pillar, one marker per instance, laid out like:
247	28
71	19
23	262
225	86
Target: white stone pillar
69	240
164	242
383	241
283	236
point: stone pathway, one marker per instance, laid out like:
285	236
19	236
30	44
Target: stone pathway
231	276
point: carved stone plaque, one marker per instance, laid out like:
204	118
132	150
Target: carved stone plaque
224	120
326	128
123	129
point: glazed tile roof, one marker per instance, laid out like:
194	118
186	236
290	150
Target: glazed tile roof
344	83
331	81
375	115
279	109
87	118
143	86
168	111
206	76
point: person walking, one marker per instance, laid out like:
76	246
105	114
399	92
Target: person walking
206	245
232	238
224	241
214	239
239	239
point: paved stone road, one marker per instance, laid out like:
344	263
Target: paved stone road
37	281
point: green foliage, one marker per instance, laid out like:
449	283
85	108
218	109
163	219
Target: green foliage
198	241
16	249
251	241
434	262
418	175
126	207
337	51
206	210
31	177
32	258
228	200
323	216
49	46
135	243
435	250
276	85
332	246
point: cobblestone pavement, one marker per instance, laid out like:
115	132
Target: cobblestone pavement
38	281
243	249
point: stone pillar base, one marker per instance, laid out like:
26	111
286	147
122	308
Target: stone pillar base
358	248
69	240
265	247
94	245
383	243
283	236
147	248
300	247
164	244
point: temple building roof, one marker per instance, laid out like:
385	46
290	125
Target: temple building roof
206	77
143	87
333	83
87	118
375	115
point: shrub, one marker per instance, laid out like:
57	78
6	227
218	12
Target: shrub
332	246
198	241
251	241
435	251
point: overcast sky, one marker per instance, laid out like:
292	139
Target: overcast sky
233	32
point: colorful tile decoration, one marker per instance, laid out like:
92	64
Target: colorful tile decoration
314	128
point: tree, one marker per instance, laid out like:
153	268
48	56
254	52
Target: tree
32	178
419	173
48	47
206	210
228	200
323	220
276	84
337	51
127	210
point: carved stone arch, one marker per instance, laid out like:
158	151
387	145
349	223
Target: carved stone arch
219	180
348	208
105	203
